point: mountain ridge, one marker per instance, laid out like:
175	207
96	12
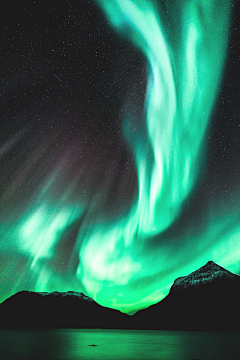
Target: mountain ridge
206	299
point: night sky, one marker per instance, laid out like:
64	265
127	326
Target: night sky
119	145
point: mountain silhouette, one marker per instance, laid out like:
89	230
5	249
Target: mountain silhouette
206	299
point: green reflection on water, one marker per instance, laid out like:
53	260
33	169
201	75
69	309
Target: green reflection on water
118	344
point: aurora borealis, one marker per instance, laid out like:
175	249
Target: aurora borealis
119	146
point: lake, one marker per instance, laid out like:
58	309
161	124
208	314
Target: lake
68	344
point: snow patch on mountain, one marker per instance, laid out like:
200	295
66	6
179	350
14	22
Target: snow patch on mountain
72	294
203	275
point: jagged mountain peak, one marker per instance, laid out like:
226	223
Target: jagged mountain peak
72	294
203	275
27	295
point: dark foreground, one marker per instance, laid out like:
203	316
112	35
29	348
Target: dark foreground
96	344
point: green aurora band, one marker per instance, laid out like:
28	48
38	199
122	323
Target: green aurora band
185	68
185	44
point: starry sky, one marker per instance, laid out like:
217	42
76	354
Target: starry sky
119	145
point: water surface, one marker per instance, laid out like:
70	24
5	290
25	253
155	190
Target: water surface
70	344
